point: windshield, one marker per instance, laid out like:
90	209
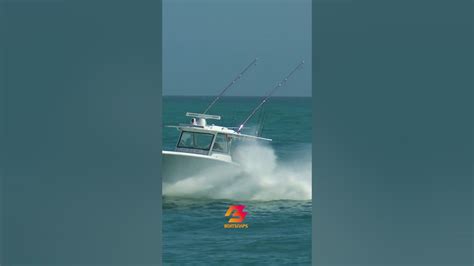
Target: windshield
195	140
220	145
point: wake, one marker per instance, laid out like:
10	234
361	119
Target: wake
263	177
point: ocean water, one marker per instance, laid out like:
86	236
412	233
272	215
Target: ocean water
276	189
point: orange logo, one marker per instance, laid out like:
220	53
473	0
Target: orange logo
238	216
239	212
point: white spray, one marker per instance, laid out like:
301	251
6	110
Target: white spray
263	177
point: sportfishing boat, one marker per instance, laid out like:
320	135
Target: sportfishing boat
202	149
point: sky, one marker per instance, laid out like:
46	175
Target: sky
207	43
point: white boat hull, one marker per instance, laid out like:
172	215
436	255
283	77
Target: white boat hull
177	166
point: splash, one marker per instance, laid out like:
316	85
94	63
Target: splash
263	177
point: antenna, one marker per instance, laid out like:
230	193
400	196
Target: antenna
280	84
254	62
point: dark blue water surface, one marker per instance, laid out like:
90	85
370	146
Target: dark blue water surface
279	232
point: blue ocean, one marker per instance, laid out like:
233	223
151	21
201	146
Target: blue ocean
276	191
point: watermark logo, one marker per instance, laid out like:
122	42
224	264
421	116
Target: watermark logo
238	216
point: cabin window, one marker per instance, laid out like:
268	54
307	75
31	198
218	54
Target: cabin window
195	140
220	145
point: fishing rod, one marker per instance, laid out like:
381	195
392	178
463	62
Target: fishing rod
253	63
280	84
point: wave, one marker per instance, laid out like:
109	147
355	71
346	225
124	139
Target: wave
263	177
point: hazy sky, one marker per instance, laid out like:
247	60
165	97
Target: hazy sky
206	43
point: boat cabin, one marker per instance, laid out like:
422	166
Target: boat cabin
199	138
203	142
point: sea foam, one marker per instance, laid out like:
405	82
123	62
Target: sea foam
264	177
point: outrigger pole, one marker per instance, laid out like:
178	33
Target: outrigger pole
254	62
280	84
